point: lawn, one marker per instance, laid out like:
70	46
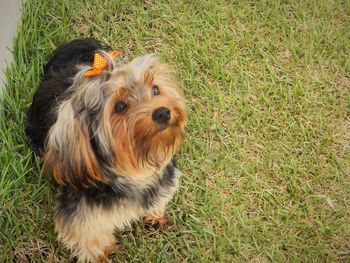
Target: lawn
266	160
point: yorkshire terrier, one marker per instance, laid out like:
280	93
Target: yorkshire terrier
108	134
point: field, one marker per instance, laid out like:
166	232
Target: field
266	160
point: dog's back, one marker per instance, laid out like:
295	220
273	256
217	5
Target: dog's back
58	73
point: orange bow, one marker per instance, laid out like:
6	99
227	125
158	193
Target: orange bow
99	64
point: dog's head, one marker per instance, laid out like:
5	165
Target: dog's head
127	121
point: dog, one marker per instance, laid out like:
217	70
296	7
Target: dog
108	135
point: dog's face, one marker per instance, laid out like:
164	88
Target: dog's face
128	121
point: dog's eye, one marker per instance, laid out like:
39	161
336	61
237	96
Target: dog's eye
121	106
155	91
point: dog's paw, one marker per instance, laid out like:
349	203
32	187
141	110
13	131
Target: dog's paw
158	221
112	249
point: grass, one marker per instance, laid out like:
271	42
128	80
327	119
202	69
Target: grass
267	155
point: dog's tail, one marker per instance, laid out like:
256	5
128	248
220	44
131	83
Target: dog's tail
75	52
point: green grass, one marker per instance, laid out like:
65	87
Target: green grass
267	158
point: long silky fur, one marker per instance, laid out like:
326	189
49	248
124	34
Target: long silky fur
111	168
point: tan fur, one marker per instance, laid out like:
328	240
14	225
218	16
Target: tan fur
136	128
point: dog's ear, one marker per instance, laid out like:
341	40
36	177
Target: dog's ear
69	156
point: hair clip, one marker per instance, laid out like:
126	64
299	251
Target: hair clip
100	63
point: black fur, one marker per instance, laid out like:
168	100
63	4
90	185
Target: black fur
107	195
58	77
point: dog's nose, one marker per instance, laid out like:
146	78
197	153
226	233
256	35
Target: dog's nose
161	115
